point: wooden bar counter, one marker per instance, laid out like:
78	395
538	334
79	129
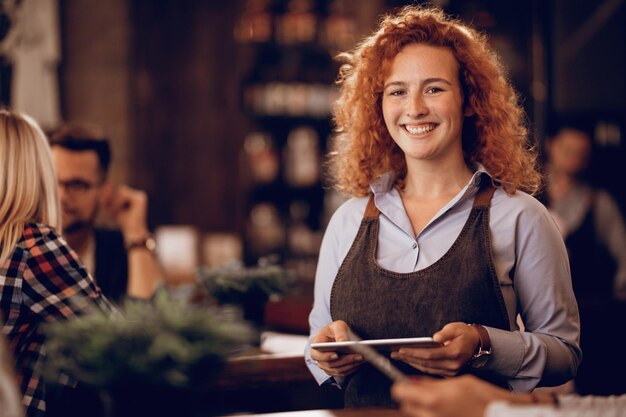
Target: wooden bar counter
270	383
263	370
355	412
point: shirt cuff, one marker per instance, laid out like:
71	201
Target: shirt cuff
320	376
507	352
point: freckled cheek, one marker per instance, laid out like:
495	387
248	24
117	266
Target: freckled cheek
391	113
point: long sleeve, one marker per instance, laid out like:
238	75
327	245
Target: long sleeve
547	352
340	232
56	285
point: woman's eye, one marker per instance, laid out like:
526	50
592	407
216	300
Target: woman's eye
396	92
433	90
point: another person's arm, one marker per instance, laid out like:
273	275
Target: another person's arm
470	397
129	209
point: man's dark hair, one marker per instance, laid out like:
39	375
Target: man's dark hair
580	122
78	137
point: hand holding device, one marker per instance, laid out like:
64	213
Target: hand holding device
330	361
459	344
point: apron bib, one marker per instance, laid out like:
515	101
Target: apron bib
376	303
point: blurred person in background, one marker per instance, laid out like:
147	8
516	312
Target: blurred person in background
593	229
41	277
123	262
588	217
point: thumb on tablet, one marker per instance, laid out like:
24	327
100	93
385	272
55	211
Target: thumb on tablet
340	330
337	331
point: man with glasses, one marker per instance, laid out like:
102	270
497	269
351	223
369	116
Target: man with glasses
121	261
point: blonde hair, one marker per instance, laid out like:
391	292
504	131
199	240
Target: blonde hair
28	186
495	136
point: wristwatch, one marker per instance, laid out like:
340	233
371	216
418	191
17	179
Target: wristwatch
482	355
146	242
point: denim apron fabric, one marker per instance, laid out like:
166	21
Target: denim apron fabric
377	303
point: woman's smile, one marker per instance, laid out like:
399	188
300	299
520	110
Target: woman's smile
419	129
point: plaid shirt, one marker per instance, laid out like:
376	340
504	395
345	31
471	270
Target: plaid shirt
42	281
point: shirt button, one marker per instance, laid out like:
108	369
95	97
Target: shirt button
477	180
414	245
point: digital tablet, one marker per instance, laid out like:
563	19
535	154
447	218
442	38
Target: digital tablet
384	345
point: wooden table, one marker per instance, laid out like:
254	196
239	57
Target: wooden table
263	370
270	383
355	412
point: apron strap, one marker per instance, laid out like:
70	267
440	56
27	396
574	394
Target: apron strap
371	211
484	195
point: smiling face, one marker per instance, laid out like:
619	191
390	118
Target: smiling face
423	104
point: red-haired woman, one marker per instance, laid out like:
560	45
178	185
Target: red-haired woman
441	236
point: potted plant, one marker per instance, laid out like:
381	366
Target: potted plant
247	287
152	359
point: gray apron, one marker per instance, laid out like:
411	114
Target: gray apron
377	303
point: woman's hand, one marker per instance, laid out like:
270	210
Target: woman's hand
460	342
465	396
331	362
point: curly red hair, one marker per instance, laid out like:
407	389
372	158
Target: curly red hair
495	136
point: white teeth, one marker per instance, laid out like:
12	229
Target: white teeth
419	130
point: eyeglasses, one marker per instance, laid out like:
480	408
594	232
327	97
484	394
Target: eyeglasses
77	187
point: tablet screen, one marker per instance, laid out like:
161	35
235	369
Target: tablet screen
384	345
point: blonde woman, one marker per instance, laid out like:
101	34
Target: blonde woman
41	279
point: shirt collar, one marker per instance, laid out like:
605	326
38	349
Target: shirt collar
385	182
388	200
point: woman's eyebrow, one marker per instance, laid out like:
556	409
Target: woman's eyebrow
436	80
426	81
395	84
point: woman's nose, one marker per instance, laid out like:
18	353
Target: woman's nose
417	106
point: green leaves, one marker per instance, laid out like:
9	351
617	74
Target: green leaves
165	342
235	283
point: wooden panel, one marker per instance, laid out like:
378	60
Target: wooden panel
94	74
186	108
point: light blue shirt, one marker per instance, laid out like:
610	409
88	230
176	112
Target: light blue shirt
530	260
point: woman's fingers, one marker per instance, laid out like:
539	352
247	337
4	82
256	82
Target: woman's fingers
344	365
